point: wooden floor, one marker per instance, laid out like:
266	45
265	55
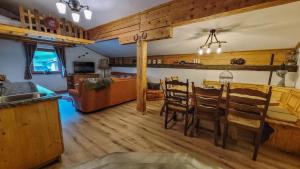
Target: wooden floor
122	129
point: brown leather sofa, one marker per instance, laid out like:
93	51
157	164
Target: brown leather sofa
88	100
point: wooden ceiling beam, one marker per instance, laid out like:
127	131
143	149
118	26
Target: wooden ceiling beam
172	14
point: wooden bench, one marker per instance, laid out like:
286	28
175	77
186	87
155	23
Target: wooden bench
283	114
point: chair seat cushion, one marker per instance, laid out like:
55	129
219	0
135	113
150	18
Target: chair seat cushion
243	121
282	116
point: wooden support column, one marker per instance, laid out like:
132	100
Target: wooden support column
141	75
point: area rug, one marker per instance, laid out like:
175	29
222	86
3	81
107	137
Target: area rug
134	160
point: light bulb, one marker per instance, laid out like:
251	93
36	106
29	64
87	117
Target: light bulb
208	50
200	51
61	7
87	14
76	17
219	50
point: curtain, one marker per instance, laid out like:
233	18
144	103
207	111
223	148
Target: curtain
60	51
29	53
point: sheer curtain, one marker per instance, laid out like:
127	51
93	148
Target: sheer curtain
29	53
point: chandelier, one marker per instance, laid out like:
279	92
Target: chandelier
75	7
211	40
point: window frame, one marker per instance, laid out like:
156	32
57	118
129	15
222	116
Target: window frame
43	72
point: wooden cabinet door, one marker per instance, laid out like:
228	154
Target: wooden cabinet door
30	135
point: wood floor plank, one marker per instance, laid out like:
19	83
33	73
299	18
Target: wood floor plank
123	129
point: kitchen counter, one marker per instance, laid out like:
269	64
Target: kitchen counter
31	132
21	93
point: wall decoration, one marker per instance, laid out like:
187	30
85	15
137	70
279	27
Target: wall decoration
237	61
2	77
292	58
51	23
159	61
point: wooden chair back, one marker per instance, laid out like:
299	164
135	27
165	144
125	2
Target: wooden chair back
248	103
177	94
207	100
162	86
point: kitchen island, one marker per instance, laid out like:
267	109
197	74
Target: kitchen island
30	127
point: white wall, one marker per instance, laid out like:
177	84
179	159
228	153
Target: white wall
197	76
12	64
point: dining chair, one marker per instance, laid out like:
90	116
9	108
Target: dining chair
247	108
178	101
162	86
207	107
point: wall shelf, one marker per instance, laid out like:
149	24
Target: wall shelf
214	67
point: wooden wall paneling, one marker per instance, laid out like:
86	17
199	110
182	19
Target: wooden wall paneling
176	13
76	32
63	26
115	28
157	18
141	75
128	38
81	33
22	16
190	11
156	23
29	19
118	32
258	57
37	20
34	20
59	30
160	33
25	34
156	13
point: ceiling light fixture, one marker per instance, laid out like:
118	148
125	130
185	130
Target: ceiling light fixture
211	40
75	7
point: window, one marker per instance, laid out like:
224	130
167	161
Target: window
45	61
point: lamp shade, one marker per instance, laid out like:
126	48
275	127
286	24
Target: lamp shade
61	7
87	14
76	17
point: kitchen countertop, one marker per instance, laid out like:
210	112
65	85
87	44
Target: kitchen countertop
21	93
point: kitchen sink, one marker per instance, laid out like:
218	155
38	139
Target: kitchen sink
20	97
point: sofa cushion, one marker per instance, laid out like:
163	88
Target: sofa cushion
286	117
244	121
97	83
279	109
